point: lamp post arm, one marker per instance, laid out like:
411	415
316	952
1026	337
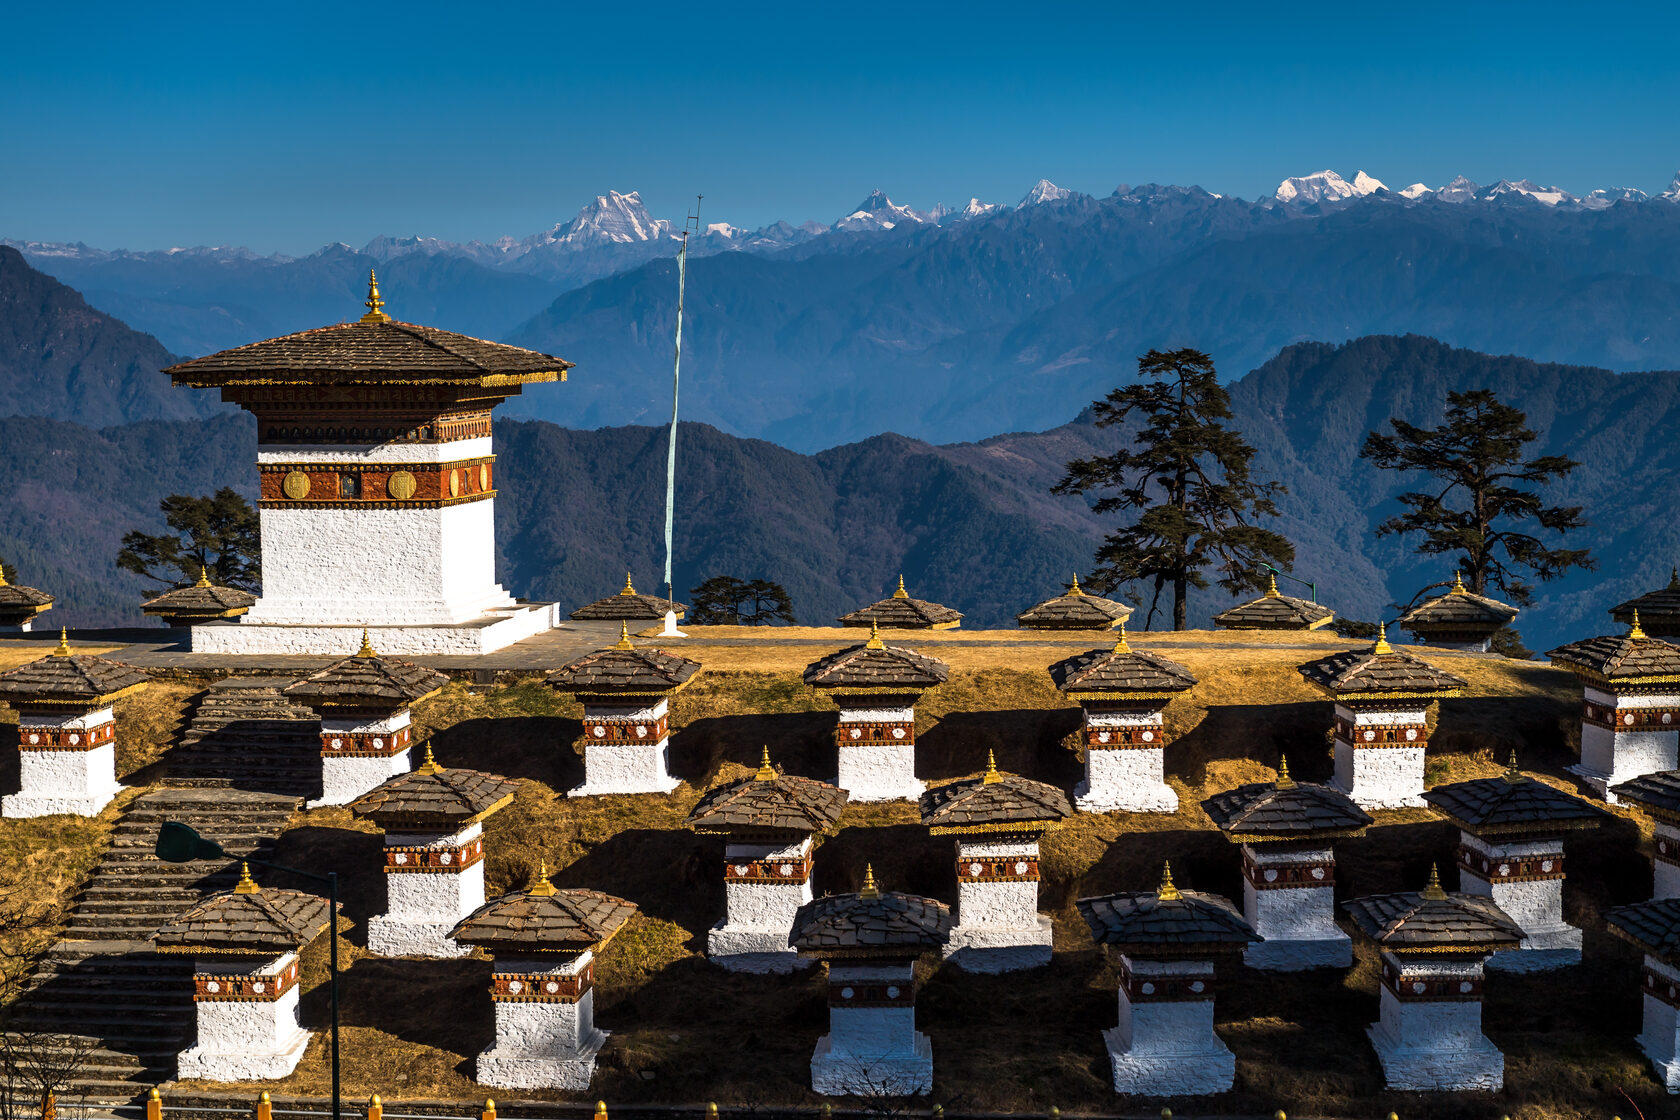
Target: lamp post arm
1312	588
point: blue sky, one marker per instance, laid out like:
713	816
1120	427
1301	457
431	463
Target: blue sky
283	127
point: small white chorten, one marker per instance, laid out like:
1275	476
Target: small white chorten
1460	619
1659	796
1654	927
21	606
1630	709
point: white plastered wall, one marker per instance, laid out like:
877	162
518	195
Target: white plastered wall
421	907
999	928
1382	776
625	767
1168	1048
259	1040
1537	906
1610	757
343	779
81	782
543	1045
1131	779
1435	1045
1659	1034
758	917
872	1051
1665	874
1297	922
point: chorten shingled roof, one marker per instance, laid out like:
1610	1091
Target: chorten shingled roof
1512	803
1075	609
870	923
624	670
900	612
1433	921
876	666
1120	670
1658	793
628	604
246	920
200	600
1166	921
1275	611
1284	810
375	350
1458	609
769	801
19	604
367	680
1379	671
1660	607
544	918
434	796
994	802
65	678
1631	658
1653	926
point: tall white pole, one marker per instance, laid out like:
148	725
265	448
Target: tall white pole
671	630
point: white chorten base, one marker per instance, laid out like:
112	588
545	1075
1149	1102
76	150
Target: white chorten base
246	1039
1298	921
1125	781
390	937
515	1070
1535	904
422	907
978	949
879	772
73	780
1659	1037
539	1044
999	928
345	779
1189	1073
1665	862
758	914
835	1074
1167	1047
487	633
1474	1063
1435	1045
623	768
201	1064
872	1051
1611	756
1380	777
752	950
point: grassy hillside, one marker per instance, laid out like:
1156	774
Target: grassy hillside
681	1028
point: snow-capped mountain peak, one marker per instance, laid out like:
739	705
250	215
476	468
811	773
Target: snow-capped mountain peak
1459	190
1547	196
1603	199
879	212
1042	192
1364	184
1672	194
1416	190
613	218
1326	186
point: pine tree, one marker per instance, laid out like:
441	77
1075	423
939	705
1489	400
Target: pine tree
1187	478
727	601
1484	506
216	534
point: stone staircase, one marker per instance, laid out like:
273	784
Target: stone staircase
246	760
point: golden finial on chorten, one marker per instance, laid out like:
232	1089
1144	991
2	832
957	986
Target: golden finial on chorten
1382	645
1271	587
766	772
1167	892
901	593
203	577
1074	591
874	641
870	890
991	777
374	303
429	765
1284	781
246	884
623	637
1434	892
63	649
1513	773
1673	578
1458	587
540	886
367	646
3	582
1120	644
1634	631
628	590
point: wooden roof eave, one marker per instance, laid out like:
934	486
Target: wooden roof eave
375	380
1306	835
49	701
1081	695
1373	695
1017	828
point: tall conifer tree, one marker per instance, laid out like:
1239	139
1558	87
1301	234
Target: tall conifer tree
216	534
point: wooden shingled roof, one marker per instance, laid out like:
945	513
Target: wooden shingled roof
200	600
870	924
876	666
1275	611
1632	658
246	920
1658	794
545	919
1660	608
1654	926
1166	922
1512	804
630	605
624	670
19	604
768	801
1284	810
65	679
1378	672
995	802
1075	609
1458	610
901	612
366	682
432	796
1432	921
1120	670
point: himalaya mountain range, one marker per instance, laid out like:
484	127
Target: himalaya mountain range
960	321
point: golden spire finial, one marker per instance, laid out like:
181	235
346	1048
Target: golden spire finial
540	886
1074	590
203	577
1382	645
870	890
992	777
1458	587
367	646
246	884
374	303
429	765
623	637
3	576
1284	781
766	772
1434	892
1120	644
901	593
63	649
874	641
1673	578
1513	773
1634	631
628	589
1166	892
1271	587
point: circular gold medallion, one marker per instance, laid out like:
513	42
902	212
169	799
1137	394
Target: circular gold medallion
401	486
484	476
295	486
455	484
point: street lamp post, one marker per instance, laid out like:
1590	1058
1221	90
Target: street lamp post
1312	588
180	843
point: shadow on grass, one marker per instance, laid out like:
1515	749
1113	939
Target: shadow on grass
357	857
403	997
672	874
800	743
536	747
1027	741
